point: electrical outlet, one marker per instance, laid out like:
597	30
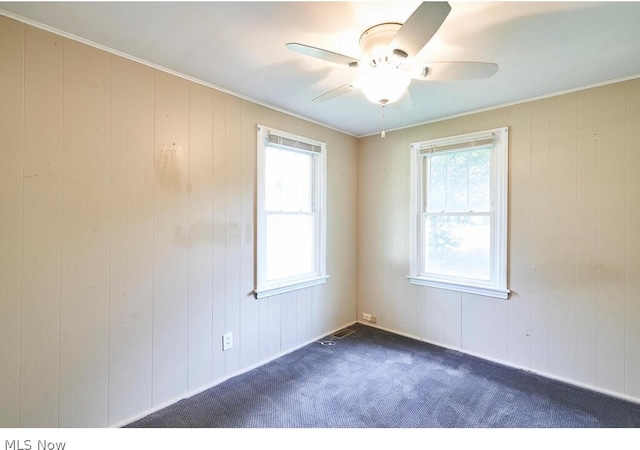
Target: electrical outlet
227	341
366	316
374	319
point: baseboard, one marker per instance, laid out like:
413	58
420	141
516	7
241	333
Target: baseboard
511	365
417	338
217	382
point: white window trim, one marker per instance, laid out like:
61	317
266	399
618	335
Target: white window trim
265	288
499	176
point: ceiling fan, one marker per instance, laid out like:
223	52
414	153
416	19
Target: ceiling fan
387	65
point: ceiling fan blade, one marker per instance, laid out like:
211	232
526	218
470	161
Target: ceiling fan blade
457	70
333	93
420	27
319	53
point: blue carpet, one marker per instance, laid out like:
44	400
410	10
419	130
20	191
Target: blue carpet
376	379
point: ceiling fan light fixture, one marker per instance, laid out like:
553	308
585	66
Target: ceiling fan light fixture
384	83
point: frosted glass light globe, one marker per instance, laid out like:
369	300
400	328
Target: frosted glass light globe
384	83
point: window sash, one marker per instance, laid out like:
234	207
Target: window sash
313	182
428	163
311	212
424	253
311	262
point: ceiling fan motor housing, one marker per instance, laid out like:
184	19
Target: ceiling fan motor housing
375	44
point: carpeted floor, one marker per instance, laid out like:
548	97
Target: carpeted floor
375	379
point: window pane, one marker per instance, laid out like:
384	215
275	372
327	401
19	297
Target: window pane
290	245
437	186
458	181
458	246
288	180
480	180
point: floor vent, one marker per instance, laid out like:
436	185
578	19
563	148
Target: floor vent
342	333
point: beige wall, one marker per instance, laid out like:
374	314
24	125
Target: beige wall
574	251
126	236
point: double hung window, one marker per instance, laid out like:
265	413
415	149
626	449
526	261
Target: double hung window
291	212
459	213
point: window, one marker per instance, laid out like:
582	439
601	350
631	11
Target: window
459	213
291	217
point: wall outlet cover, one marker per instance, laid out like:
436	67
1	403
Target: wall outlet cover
227	341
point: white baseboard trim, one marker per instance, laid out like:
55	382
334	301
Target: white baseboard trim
201	389
514	366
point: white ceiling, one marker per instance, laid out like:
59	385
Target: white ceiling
239	47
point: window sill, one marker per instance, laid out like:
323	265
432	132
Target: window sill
469	289
288	287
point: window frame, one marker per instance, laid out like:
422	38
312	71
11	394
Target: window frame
497	285
263	286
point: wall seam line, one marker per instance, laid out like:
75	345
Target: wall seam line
109	234
21	303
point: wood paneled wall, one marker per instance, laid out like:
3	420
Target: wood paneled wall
126	236
574	264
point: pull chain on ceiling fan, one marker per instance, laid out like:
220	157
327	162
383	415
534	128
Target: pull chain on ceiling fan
387	64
